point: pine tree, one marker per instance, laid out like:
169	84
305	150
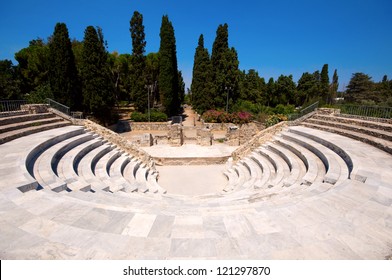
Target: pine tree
98	90
168	72
360	88
324	84
137	75
201	78
63	75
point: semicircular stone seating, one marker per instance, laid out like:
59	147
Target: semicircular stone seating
66	193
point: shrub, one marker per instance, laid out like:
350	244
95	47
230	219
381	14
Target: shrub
157	117
241	117
274	119
139	117
213	116
154	117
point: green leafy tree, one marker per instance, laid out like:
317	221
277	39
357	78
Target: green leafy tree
98	96
9	81
168	71
307	88
285	90
253	87
202	79
137	73
272	99
152	75
33	65
63	75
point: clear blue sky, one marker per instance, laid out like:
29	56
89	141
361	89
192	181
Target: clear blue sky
272	36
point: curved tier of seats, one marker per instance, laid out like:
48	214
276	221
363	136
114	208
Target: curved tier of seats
66	159
262	215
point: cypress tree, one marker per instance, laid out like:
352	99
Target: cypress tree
324	84
220	48
201	78
98	91
168	72
225	73
137	75
181	87
63	76
335	85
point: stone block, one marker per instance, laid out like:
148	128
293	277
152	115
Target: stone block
35	108
147	140
175	135
204	137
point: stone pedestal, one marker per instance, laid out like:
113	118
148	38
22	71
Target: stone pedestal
175	135
204	137
147	140
233	136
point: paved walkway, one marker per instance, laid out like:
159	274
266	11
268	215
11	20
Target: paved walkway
190	150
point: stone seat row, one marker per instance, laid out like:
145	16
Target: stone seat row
293	158
378	134
15	126
72	159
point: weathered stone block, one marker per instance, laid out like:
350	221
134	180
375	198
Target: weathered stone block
35	108
175	135
204	137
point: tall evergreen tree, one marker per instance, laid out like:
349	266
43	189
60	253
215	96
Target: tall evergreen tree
324	84
63	75
181	87
225	73
334	85
137	75
98	90
168	71
201	78
360	88
271	93
307	88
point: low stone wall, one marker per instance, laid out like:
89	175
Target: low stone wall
238	135
217	126
328	111
190	160
35	108
158	126
257	140
120	141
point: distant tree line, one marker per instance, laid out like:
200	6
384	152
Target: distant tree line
84	76
217	83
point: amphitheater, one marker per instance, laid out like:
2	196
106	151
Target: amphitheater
316	188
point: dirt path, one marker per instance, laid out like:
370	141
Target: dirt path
190	117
